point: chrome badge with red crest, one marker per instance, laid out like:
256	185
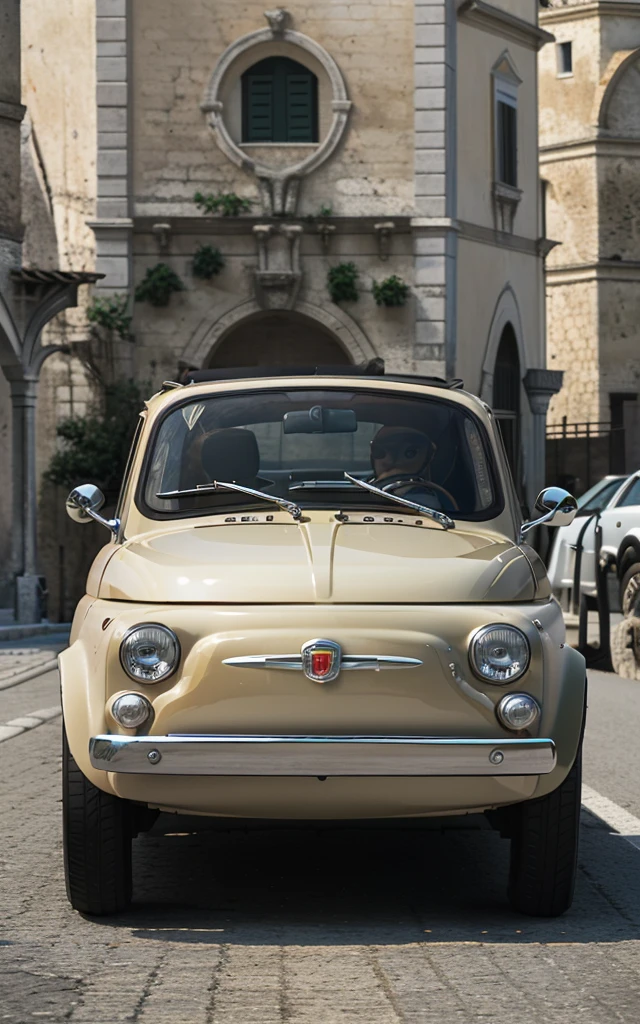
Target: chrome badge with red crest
321	660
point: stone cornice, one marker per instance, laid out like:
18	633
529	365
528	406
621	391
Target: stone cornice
579	149
498	22
600	270
595	9
204	225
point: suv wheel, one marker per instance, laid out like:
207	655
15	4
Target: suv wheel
544	849
97	843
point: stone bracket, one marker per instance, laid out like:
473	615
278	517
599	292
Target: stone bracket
383	231
278	277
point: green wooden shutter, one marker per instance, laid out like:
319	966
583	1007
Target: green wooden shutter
279	102
258	109
301	108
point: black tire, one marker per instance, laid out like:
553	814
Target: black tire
630	591
544	849
97	843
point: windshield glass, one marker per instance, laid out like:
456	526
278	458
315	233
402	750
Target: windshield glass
298	444
599	495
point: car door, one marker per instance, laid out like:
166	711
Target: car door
624	514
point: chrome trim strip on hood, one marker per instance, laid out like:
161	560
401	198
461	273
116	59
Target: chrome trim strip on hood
294	662
320	755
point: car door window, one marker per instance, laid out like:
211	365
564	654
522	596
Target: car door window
631	496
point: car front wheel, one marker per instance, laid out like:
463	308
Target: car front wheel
97	843
544	849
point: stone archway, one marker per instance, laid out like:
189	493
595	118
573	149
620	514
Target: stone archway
278	338
334	321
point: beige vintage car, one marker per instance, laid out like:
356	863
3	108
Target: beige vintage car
316	603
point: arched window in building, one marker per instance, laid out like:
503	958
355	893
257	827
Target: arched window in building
506	400
279	102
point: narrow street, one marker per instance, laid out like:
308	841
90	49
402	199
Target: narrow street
316	927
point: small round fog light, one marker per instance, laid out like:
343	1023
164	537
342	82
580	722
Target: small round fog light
518	711
131	710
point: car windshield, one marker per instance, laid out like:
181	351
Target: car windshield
598	496
298	444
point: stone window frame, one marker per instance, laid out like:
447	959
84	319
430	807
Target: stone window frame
278	187
505	84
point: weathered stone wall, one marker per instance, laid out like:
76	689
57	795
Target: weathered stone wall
590	134
175	49
573	346
163	336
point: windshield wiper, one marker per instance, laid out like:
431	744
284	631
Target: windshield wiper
441	518
221	485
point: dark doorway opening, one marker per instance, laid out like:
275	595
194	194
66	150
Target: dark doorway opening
506	402
279	338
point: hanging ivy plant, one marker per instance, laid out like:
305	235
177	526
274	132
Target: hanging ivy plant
391	292
207	262
158	284
342	282
111	314
227	203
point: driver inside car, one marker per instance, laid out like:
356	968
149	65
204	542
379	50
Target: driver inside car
400	458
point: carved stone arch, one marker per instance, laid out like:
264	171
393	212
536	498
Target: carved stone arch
278	186
214	329
506	311
624	77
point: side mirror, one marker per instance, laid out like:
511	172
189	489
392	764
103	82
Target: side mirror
84	503
555	507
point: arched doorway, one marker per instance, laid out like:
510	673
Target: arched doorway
506	401
278	338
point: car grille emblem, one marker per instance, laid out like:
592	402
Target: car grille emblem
321	660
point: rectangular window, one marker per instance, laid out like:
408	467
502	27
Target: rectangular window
565	59
506	141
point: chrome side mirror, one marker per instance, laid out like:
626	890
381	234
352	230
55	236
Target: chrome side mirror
84	503
556	507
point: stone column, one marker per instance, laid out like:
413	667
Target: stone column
540	386
435	237
24	394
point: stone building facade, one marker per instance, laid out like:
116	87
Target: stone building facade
419	159
590	163
403	179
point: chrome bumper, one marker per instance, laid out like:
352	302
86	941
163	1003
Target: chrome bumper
320	755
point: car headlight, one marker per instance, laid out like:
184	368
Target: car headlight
499	654
150	653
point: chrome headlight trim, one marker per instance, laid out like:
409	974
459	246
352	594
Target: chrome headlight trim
171	665
480	635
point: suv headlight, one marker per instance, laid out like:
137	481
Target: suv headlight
499	654
150	653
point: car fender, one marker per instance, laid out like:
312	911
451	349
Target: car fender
628	552
563	713
83	715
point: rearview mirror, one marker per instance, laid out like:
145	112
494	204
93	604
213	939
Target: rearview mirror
556	507
318	420
84	503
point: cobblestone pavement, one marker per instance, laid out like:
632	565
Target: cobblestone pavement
380	927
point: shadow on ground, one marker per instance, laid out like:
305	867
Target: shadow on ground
320	887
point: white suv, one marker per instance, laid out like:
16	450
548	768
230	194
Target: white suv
619	497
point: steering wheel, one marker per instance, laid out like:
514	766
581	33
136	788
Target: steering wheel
407	481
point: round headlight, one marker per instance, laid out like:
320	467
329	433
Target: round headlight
499	654
518	711
131	710
150	653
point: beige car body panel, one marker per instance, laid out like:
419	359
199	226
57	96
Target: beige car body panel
266	586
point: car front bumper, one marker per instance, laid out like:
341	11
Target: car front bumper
330	756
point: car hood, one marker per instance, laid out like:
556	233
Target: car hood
289	563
